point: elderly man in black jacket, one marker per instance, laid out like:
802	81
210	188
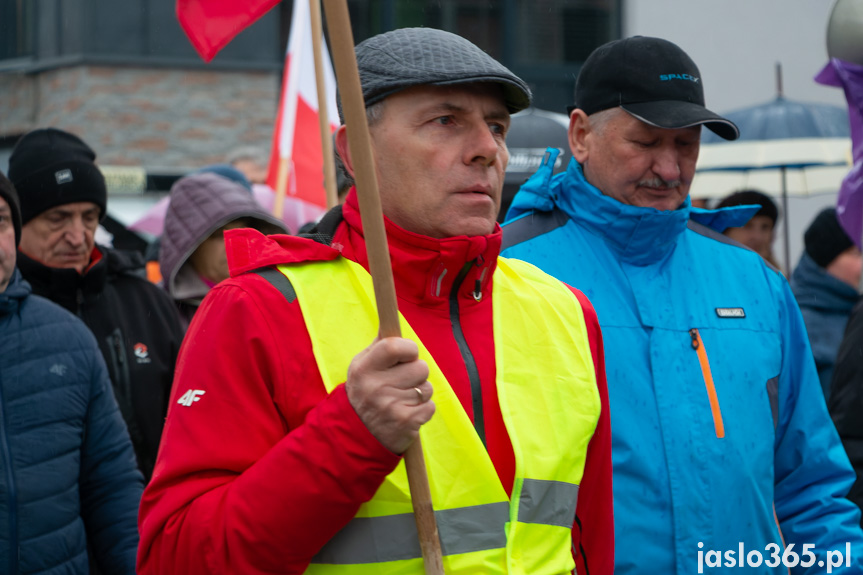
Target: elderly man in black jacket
63	197
67	468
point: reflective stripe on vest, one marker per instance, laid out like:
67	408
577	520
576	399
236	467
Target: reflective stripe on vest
549	402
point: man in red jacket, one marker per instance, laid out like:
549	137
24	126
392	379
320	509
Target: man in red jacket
282	449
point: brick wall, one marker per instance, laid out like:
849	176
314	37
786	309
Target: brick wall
159	119
17	104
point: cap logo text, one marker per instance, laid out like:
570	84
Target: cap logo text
667	77
63	176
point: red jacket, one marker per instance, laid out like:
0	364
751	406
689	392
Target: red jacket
260	467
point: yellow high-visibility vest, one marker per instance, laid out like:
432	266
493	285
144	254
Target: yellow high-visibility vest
550	404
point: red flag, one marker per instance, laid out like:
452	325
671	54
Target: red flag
297	135
211	24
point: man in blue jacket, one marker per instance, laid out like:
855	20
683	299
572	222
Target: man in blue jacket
68	477
825	285
723	452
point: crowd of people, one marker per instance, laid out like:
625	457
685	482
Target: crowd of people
614	381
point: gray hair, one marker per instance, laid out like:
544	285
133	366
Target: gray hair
252	153
599	120
374	113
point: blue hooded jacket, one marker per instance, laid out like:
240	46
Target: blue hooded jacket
825	303
705	446
68	476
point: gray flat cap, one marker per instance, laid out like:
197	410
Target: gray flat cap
396	60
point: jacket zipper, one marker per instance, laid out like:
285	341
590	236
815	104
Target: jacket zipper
467	356
117	364
122	384
698	346
781	536
13	495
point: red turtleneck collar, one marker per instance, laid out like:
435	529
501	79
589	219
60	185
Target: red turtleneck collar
425	268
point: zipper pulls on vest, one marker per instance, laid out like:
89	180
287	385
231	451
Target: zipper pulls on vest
698	346
477	286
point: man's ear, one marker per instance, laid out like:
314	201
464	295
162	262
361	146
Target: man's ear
344	150
579	129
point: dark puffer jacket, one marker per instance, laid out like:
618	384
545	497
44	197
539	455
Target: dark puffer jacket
67	469
137	330
201	204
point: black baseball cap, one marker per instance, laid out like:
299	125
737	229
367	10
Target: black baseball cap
652	79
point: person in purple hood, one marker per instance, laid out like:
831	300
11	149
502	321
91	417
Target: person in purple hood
192	255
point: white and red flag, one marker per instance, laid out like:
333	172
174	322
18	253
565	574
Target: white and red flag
296	144
297	136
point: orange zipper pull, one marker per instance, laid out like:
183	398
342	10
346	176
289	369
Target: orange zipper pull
698	346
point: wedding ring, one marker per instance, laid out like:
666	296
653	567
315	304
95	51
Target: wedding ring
420	393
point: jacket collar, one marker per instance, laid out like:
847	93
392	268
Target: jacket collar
637	235
640	236
814	287
426	269
17	291
65	286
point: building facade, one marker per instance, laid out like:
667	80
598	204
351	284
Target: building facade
123	76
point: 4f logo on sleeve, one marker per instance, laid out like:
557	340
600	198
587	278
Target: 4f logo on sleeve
191	397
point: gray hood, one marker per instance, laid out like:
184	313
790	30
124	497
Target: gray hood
201	204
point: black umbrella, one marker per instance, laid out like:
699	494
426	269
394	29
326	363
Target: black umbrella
530	133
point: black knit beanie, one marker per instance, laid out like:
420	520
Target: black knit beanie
825	239
8	193
50	167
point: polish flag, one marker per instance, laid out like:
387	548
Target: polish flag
211	24
297	135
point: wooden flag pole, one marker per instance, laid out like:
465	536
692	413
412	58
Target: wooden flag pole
281	186
359	140
323	111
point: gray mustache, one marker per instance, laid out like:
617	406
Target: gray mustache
659	183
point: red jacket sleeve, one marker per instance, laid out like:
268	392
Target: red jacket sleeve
258	466
593	532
